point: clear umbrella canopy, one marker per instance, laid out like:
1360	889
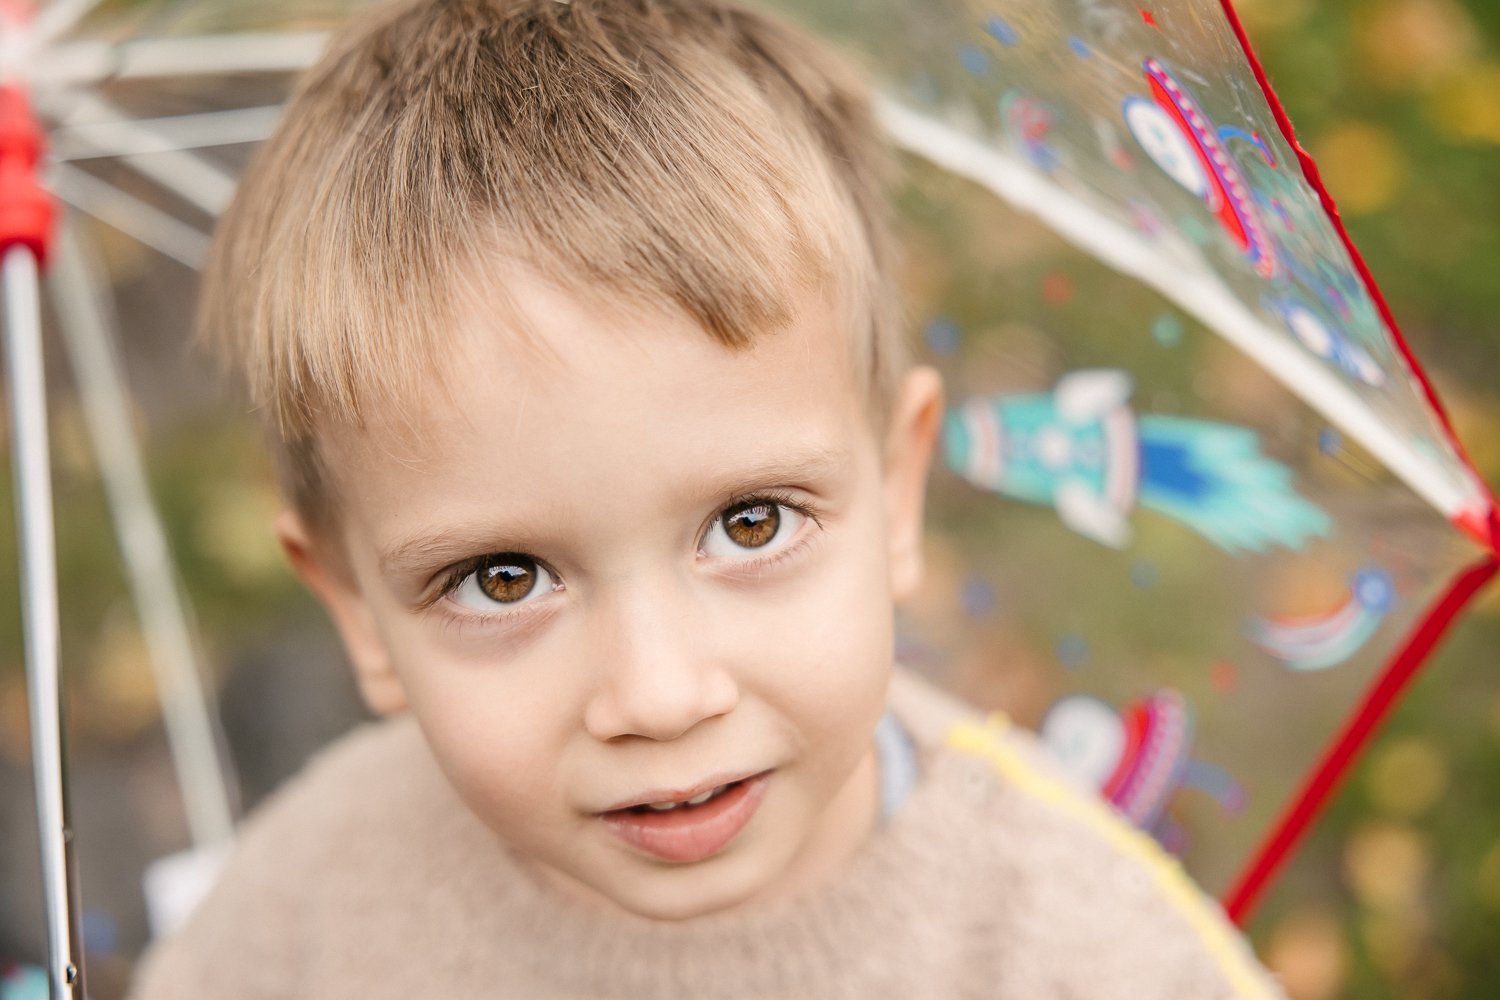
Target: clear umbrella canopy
1201	517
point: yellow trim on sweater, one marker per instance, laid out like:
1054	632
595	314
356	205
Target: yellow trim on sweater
985	740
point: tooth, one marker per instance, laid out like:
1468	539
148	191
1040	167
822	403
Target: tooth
698	800
661	806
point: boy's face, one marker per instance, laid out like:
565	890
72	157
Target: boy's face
623	565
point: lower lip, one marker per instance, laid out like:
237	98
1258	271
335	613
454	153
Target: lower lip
695	833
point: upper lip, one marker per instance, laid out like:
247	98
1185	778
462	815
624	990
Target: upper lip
682	793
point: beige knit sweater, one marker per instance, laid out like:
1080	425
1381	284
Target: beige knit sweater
366	879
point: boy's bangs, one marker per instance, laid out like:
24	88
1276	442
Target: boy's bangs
661	157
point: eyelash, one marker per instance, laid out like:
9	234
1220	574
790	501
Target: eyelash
780	498
457	575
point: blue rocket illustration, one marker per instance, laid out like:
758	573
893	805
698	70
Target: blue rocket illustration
1083	450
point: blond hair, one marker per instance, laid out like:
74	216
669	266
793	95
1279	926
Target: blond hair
686	150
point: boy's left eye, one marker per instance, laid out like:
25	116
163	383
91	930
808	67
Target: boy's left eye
753	527
505	579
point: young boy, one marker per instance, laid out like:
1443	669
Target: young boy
573	324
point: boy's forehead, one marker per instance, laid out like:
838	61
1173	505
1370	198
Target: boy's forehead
558	319
533	366
559	337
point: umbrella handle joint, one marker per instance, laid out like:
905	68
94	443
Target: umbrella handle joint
27	210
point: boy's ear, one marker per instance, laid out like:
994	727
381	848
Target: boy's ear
910	439
333	584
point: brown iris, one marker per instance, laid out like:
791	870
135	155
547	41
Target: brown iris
507	578
751	525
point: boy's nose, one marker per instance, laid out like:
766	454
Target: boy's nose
657	678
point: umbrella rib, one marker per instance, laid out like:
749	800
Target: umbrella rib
1207	299
129	214
58	18
159	135
215	55
88	325
178	170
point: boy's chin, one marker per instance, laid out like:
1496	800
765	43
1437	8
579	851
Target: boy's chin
670	895
666	908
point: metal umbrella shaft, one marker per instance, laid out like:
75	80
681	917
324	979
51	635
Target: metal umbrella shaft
26	216
33	491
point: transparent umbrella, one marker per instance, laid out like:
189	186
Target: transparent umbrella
1203	518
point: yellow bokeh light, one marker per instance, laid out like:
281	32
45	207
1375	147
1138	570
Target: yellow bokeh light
1466	105
1408	777
235	531
1308	954
120	700
1415	42
1386	865
1362	166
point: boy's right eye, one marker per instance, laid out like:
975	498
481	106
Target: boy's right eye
507	578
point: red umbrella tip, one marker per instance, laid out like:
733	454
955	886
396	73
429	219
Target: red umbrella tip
1483	525
26	210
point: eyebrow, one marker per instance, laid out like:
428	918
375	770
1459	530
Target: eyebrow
436	549
793	469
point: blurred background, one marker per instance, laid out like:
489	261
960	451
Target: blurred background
1395	894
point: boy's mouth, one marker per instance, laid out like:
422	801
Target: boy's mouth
691	827
696	800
